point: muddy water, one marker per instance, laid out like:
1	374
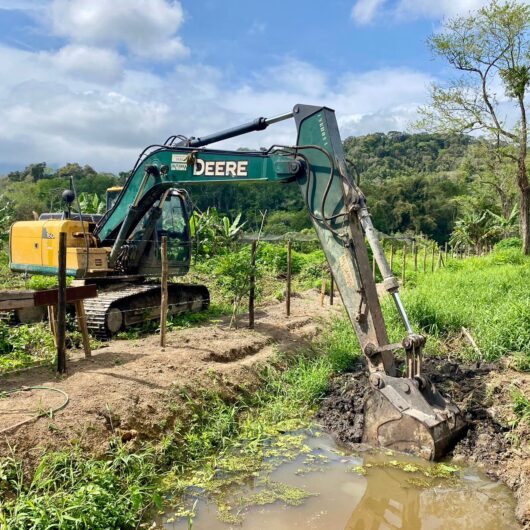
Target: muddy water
366	491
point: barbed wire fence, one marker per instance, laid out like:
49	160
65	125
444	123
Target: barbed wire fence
415	254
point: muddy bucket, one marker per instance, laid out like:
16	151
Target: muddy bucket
410	415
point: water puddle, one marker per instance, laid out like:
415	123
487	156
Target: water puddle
325	488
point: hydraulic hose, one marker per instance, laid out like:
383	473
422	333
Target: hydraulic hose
40	414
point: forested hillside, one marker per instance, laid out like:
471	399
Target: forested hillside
415	183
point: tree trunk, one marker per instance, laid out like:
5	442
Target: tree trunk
522	181
524	212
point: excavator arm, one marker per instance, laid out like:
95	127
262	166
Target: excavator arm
405	413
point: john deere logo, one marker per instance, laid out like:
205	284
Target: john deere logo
220	168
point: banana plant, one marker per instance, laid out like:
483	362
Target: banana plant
91	203
214	232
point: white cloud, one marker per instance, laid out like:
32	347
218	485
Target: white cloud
366	11
89	63
147	28
53	110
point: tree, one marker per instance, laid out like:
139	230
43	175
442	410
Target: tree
488	48
489	176
471	230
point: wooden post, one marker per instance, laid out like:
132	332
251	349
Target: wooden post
52	320
415	249
391	256
331	288
425	258
81	323
432	257
252	288
445	249
288	293
323	291
440	260
61	305
404	264
163	292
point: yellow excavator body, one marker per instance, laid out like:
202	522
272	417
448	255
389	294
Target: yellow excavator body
34	248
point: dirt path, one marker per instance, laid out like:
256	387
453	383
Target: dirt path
128	386
483	393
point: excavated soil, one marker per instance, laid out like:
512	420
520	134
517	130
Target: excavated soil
131	387
483	393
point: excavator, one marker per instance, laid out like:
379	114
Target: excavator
121	250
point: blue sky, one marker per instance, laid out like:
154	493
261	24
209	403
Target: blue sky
94	81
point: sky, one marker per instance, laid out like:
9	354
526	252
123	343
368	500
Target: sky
95	81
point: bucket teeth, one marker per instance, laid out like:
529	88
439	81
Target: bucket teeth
410	415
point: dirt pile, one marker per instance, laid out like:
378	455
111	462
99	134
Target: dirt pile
483	393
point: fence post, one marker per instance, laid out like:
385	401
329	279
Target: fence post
252	288
61	305
82	324
52	319
425	258
404	264
163	292
331	288
432	257
415	249
391	256
440	260
445	263
288	294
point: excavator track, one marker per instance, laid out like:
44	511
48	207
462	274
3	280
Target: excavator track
131	304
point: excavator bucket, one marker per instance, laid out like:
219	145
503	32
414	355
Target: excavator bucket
410	415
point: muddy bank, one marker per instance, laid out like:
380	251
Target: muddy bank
483	393
133	388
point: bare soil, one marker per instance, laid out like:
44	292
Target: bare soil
130	387
482	392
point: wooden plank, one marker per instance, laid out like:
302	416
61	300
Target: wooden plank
49	296
8	305
82	325
20	294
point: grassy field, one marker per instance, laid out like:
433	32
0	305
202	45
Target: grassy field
489	296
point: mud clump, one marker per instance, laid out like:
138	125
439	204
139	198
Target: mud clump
342	410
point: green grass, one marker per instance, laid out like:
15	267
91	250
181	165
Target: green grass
490	296
520	406
70	490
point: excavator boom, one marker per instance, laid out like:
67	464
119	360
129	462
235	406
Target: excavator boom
405	413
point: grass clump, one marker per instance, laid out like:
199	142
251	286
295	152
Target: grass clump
71	491
520	407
